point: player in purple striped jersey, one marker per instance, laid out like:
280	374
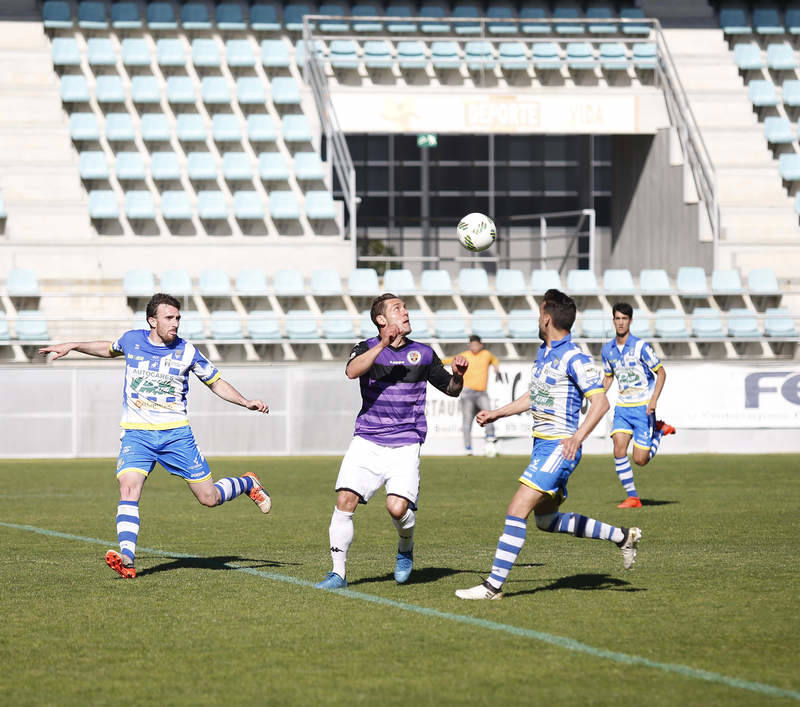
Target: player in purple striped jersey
394	372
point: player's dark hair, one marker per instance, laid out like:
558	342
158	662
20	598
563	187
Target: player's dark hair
561	308
623	308
378	305
160	298
475	337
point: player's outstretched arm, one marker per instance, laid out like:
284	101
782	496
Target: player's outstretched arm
101	349
598	407
661	377
515	407
229	394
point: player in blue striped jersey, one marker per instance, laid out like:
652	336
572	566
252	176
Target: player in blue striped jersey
155	423
561	377
640	378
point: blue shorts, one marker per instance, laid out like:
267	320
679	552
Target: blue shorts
548	471
635	421
175	450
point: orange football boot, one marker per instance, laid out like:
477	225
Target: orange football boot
631	502
117	563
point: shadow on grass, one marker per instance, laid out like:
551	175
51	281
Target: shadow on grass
654	502
583	582
222	562
424	575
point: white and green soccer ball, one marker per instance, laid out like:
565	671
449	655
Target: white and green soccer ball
476	232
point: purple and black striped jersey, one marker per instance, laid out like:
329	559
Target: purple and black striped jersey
393	392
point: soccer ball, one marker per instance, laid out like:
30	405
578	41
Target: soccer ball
476	232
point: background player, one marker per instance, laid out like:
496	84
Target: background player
561	377
390	428
640	377
474	396
155	423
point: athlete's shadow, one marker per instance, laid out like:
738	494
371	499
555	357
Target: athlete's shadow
654	502
221	562
423	575
583	582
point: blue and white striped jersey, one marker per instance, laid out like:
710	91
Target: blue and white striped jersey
634	368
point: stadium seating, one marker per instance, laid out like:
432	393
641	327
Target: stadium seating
399	282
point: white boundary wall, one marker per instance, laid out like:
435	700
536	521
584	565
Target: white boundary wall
73	411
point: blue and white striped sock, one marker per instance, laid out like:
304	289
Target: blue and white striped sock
128	528
583	527
508	547
625	474
656	441
233	486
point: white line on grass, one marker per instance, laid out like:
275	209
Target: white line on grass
560	641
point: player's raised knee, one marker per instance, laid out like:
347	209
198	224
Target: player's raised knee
545	522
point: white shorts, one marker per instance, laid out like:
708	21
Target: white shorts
368	466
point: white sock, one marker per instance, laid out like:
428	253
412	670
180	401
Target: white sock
405	531
341	535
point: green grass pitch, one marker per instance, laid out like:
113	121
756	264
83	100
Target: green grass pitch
714	589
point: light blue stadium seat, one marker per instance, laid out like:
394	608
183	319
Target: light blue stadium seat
532	13
691	282
103	204
165	166
733	20
293	16
74	89
194	15
618	282
562	12
655	282
205	53
582	282
449	324
139	204
135	51
308	166
22	282
601	12
707	324
92	165
513	56
465	17
125	15
56	14
100	52
65	52
434	11
523	324
435	282
225	128
92	15
214	282
778	323
395	12
473	281
613	56
261	128
418	319
763	281
726	282
177	282
640	325
272	167
363	282
263	325
767	20
320	206
509	283
31	325
487	324
645	55
543	280
337	324
399	282
275	54
119	127
83	126
580	56
251	282
789	166
778	130
288	282
139	283
248	206
250	91
343	54
596	324
201	165
792	20
130	166
791	93
479	56
301	325
161	16
762	93
743	324
180	89
295	128
367	329
411	54
264	17
300	51
170	52
109	89
325	282
236	166
365	10
632	14
230	17
239	53
333	10
190	127
285	91
211	206
780	57
670	324
283	205
145	89
377	54
176	206
215	90
501	11
192	327
748	57
225	324
546	56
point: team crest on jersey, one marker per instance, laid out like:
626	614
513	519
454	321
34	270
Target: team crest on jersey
413	357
